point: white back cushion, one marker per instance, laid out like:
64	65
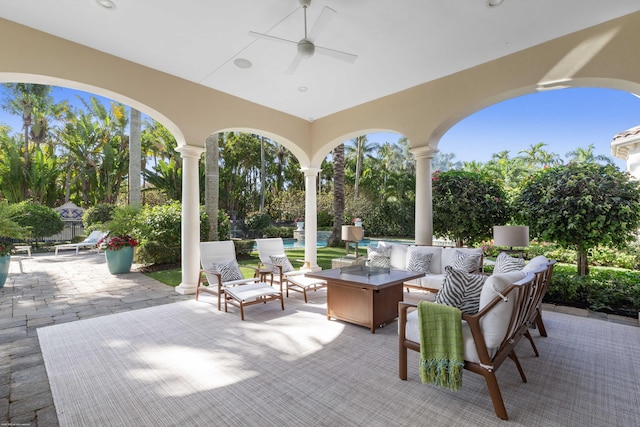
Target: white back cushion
495	323
398	254
535	263
268	247
436	258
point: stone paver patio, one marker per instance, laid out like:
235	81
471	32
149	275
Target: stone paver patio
53	290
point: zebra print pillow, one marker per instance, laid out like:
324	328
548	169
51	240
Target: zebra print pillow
466	262
419	261
461	289
506	264
228	270
283	261
379	257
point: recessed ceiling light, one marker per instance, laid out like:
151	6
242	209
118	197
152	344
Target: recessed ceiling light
495	3
303	88
242	63
107	4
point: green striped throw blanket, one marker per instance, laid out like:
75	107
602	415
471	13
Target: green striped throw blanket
441	349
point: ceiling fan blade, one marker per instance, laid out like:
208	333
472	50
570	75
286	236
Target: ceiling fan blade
321	23
271	38
337	54
291	69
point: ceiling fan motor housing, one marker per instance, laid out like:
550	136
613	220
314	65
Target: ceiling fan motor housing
306	48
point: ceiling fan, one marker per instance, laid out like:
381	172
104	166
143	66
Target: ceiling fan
306	48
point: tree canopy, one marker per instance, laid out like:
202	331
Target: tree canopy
581	205
466	206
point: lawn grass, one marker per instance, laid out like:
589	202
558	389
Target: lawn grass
173	277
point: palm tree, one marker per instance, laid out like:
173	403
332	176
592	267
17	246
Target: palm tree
536	156
36	106
444	161
212	183
360	149
135	161
586	155
338	196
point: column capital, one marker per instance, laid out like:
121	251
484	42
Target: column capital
309	171
422	152
190	151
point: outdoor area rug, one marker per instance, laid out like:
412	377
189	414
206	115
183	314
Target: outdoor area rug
188	364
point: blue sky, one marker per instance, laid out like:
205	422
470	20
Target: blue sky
563	119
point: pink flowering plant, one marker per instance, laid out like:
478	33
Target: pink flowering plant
117	242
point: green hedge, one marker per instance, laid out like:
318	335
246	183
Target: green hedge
604	289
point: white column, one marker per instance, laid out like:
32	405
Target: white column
424	201
310	217
190	219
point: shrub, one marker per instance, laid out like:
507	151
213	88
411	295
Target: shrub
284	232
41	221
605	290
243	248
325	219
98	214
390	218
159	229
257	221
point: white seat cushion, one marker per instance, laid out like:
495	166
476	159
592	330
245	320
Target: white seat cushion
412	333
251	291
429	281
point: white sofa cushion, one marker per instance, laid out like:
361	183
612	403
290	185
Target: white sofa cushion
535	263
429	281
496	323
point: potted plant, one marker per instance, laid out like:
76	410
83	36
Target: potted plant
119	244
300	223
9	229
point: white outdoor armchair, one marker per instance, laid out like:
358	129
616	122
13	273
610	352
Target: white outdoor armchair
223	278
273	257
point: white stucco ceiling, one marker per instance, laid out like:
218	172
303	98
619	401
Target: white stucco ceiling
399	43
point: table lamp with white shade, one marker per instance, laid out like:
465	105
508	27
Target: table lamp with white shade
513	236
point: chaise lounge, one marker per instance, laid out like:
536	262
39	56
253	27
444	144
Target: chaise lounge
90	242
